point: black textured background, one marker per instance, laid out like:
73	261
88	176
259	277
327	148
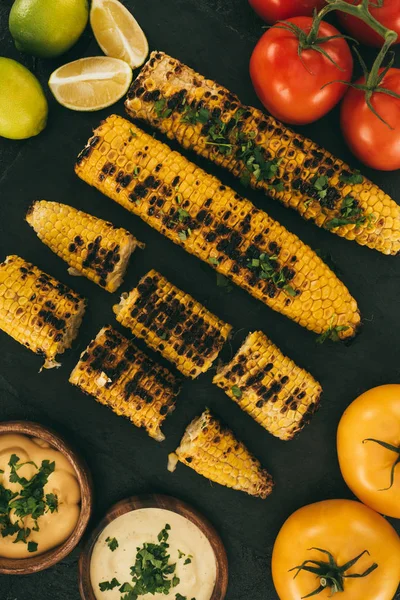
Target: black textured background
215	37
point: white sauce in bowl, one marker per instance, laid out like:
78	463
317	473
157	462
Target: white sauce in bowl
132	530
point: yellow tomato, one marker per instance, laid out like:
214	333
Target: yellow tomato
324	539
371	469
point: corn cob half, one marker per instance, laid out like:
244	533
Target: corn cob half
120	376
204	116
213	451
270	387
37	310
173	323
91	247
211	221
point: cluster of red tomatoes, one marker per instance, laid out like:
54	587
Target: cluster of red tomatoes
296	87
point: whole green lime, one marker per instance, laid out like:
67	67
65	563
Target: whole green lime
47	28
23	105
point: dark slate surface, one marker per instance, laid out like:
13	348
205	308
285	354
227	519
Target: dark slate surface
216	37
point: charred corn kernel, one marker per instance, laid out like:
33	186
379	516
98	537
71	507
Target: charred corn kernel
37	310
213	451
173	323
120	376
202	115
91	247
270	387
211	221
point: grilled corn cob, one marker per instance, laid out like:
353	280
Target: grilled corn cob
37	310
213	451
174	323
92	247
270	387
206	117
209	220
120	376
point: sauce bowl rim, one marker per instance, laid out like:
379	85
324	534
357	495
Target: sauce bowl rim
160	501
40	562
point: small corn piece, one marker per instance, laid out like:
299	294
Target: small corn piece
120	376
270	387
37	310
173	323
91	247
211	221
213	451
204	116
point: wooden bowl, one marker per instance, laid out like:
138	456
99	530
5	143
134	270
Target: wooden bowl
26	566
167	503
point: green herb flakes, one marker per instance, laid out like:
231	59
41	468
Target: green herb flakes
354	177
321	185
29	501
32	546
236	391
112	543
161	108
188	561
213	261
332	333
133	134
105	586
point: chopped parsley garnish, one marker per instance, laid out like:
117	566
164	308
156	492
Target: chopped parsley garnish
112	543
182	235
255	162
133	134
182	214
161	108
213	261
195	115
350	214
355	177
29	501
181	554
267	269
152	572
109	585
236	391
321	185
32	546
188	561
332	333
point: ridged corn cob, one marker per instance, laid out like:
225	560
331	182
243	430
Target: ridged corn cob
173	323
213	451
91	247
204	116
120	376
270	387
37	310
211	221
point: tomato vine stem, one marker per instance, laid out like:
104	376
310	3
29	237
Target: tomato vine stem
374	77
396	462
331	576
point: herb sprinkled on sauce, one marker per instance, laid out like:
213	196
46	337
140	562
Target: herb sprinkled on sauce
152	572
31	501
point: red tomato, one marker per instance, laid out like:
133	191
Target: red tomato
388	14
290	85
373	142
278	10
